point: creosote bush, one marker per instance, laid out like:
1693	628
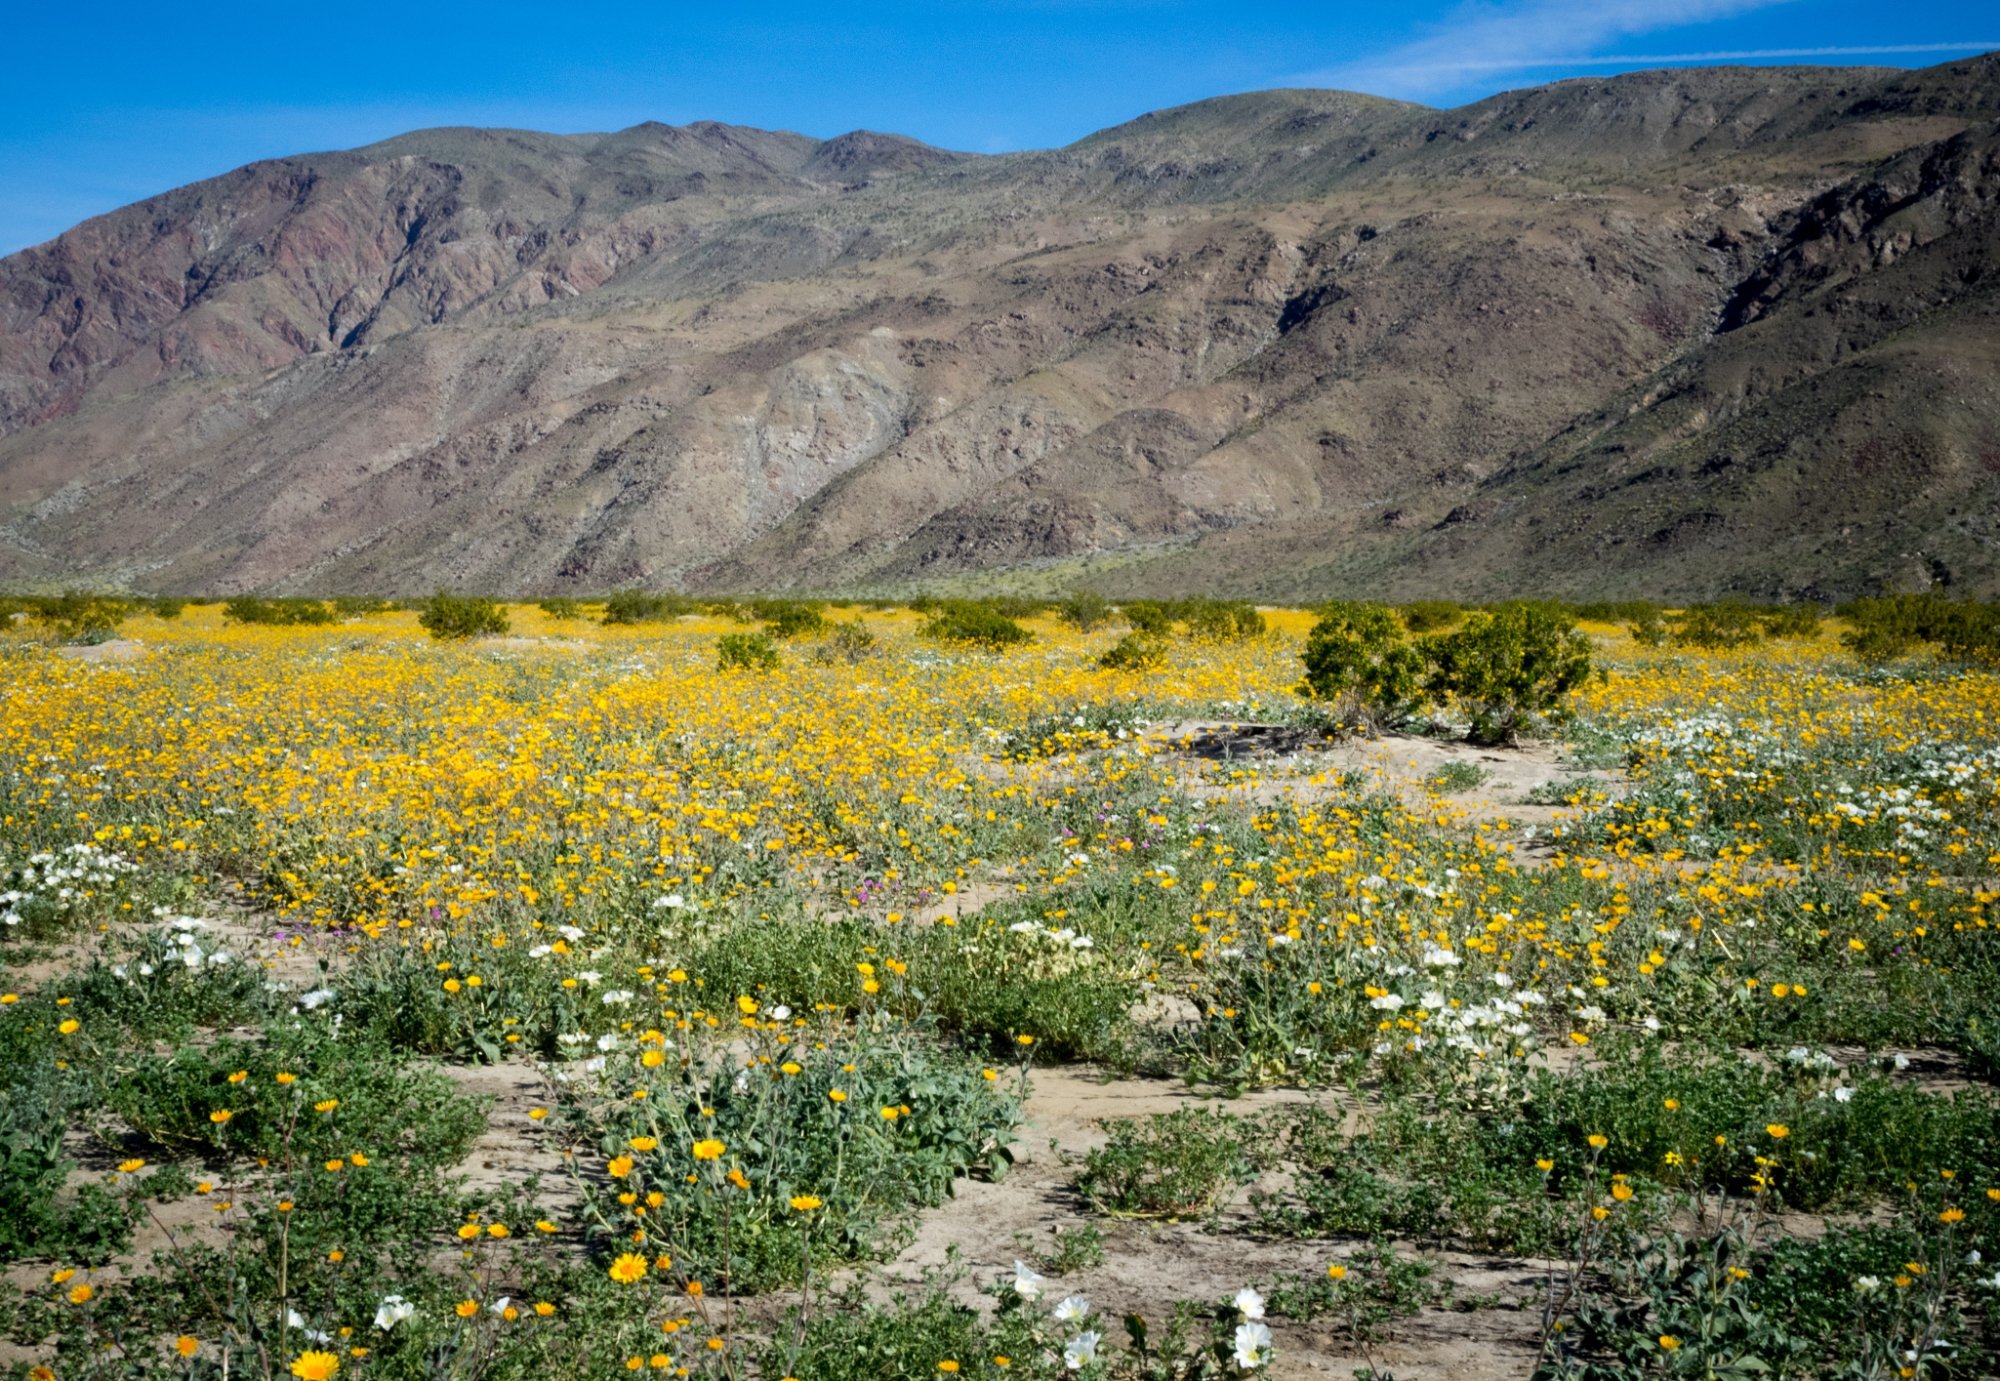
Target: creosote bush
1509	667
788	618
1084	610
1712	627
745	652
78	617
448	617
1135	651
255	609
644	606
974	623
1358	660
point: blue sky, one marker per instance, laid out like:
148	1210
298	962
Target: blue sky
104	104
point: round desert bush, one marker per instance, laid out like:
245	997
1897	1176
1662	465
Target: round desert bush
745	652
1084	610
448	616
277	612
1510	666
1359	661
1136	651
974	624
643	606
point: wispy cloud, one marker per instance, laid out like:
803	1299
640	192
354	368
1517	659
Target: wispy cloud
1488	37
1724	55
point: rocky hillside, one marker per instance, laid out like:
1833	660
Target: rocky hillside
1671	333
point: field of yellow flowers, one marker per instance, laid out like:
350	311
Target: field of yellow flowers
559	1004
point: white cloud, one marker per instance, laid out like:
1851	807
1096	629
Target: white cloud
1481	38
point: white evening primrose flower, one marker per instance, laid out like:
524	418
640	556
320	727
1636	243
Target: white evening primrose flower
1253	1346
391	1311
1027	1283
1249	1303
1080	1351
1072	1309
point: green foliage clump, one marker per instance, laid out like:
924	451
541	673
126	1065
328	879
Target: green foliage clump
1358	660
282	613
1510	666
167	607
1366	1294
847	640
1792	621
1169	1165
385	1104
1084	610
1649	629
790	1137
974	623
1136	651
1148	616
561	608
788	618
1617	611
745	652
77	617
1455	777
354	606
1221	621
1892	626
1715	627
448	617
39	1097
1429	615
644	606
1000	983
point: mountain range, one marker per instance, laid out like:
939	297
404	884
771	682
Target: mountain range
1670	334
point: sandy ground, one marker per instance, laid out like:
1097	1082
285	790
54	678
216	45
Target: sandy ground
1148	1266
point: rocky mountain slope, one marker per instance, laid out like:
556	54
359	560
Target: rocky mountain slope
1670	333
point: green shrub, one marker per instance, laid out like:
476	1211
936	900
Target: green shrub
447	617
1374	1288
282	613
643	606
1878	645
1792	621
355	605
271	1087
787	1136
1169	1165
1358	660
1454	777
848	641
788	618
1713	627
1509	667
1148	616
1649	629
168	607
562	609
1016	606
745	652
1136	651
1429	615
1221	621
1617	611
1885	629
1084	610
40	1094
77	617
974	624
